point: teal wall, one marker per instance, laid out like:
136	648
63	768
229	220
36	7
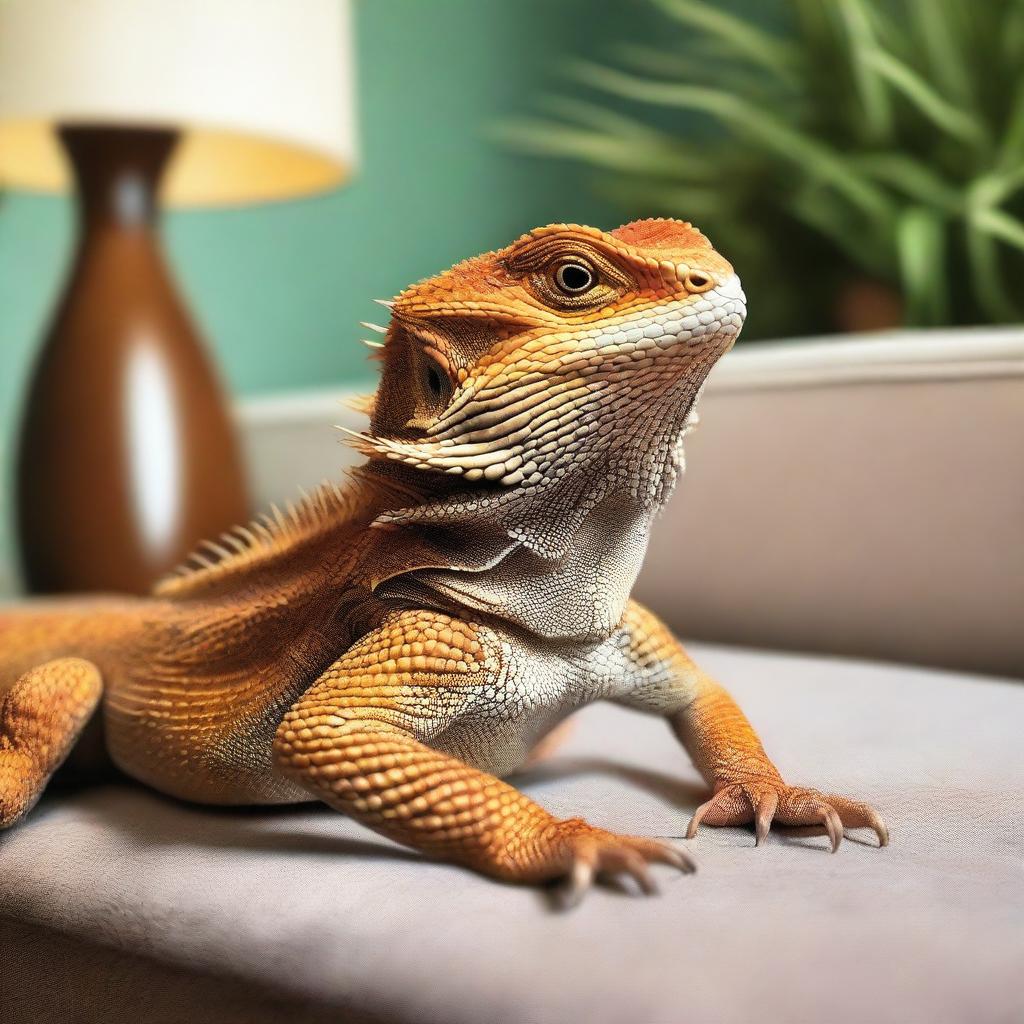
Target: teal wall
278	289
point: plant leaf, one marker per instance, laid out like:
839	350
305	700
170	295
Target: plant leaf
913	178
1011	148
986	277
999	224
986	226
599	149
744	39
873	94
946	59
938	110
593	115
760	125
995	188
810	207
689	201
709	70
921	245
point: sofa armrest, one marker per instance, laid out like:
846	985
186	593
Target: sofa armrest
862	497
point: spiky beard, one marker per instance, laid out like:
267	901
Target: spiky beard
641	464
578	419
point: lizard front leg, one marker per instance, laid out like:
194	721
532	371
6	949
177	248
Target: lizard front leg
658	676
376	735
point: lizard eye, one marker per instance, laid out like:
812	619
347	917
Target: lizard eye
574	278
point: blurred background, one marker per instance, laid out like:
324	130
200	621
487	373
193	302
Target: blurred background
277	289
860	161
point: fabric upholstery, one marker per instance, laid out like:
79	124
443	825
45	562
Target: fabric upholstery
122	905
881	520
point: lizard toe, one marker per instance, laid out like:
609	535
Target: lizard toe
605	856
768	802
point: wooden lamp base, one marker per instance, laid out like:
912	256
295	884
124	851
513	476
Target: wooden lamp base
127	455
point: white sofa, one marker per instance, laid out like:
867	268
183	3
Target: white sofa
863	498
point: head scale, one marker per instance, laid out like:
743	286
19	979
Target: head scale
573	356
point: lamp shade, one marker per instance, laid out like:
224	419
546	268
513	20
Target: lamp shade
261	90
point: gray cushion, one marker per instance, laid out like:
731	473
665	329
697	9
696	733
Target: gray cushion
120	902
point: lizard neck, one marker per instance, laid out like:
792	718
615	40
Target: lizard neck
558	559
638	464
581	594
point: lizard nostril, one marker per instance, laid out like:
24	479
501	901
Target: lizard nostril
695	281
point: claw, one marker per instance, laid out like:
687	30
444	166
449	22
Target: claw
833	825
698	817
766	801
763	815
626	861
855	814
678	859
636	866
879	826
580	880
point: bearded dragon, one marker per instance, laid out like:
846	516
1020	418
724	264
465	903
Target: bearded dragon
395	646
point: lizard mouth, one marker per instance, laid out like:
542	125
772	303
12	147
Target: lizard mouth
710	321
717	313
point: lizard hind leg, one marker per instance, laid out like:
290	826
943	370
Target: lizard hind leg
41	716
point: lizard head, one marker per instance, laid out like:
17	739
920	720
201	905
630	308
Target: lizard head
571	350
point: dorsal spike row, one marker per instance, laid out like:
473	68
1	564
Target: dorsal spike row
264	526
237	544
246	535
262	537
275	517
217	549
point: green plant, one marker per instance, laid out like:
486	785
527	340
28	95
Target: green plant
850	140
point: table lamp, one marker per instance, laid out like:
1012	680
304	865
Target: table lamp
127	454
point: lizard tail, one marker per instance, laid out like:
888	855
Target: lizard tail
40	631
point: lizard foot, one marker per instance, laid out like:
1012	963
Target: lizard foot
763	801
594	853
